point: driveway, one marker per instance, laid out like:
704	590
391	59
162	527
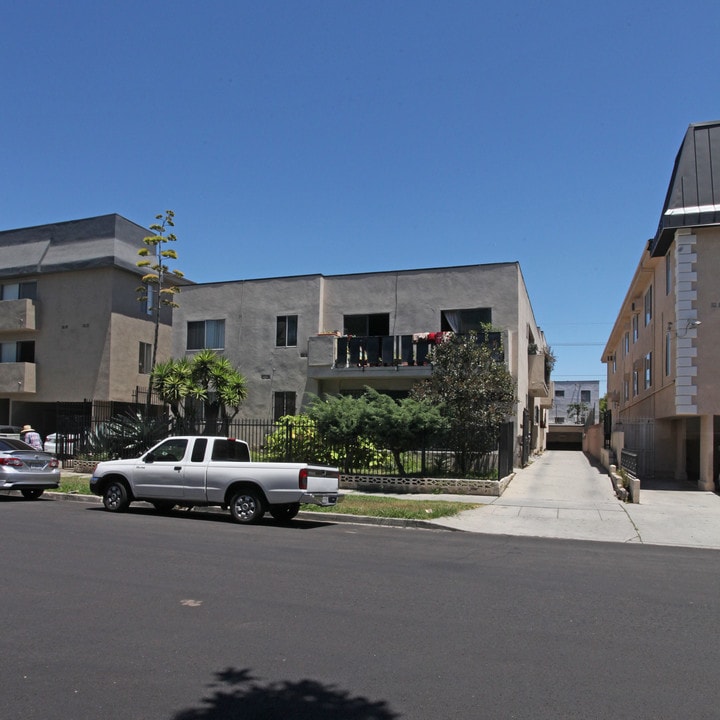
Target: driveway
562	494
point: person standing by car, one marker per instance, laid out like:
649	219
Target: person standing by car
31	437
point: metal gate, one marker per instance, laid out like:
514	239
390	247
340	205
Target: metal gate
506	449
527	428
640	440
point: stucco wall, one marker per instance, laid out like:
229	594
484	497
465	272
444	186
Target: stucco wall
413	299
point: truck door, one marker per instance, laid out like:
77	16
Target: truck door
195	472
159	474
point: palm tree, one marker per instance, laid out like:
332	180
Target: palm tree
206	377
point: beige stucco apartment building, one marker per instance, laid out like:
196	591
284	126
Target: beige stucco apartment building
71	327
662	354
293	337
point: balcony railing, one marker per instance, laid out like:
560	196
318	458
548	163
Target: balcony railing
382	350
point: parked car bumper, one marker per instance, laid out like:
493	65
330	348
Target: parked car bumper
30	481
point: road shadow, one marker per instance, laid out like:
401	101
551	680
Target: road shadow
210	514
237	694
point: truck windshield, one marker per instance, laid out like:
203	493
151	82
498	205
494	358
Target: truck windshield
230	451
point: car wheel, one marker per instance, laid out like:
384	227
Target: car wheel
286	512
115	497
247	506
163	506
31	493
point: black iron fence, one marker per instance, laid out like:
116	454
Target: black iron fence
629	462
294	440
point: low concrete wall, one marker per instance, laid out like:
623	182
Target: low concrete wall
631	493
405	485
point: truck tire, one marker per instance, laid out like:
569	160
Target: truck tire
285	512
115	497
247	506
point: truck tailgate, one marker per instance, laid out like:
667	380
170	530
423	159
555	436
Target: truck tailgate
322	479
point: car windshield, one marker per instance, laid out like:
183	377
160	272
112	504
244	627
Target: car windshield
10	444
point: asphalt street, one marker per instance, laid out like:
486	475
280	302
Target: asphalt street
191	616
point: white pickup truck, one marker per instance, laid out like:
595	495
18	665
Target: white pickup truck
196	471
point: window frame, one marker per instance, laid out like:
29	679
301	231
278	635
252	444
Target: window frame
144	358
23	351
284	403
192	332
286	331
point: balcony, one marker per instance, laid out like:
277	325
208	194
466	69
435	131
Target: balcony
330	355
17	378
538	381
17	315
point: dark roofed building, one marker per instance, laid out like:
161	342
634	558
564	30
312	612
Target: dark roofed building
662	365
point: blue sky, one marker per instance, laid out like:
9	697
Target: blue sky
330	136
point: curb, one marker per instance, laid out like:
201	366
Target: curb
302	515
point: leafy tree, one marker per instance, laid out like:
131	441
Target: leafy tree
207	378
156	289
578	410
603	407
297	439
474	391
401	425
342	421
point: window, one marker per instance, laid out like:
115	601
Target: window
614	362
198	451
648	370
585	396
559	393
284	404
668	351
377	324
150	298
560	420
626	389
465	321
12	352
206	334
172	450
145	358
626	343
230	451
635	382
19	291
286	331
635	328
648	306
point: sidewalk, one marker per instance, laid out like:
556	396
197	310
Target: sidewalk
562	495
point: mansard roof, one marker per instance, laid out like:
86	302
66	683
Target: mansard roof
693	197
104	241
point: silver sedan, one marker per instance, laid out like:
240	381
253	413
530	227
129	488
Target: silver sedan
26	469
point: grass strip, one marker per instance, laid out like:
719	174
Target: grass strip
374	506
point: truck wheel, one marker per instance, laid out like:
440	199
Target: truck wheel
115	497
285	512
31	493
247	506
